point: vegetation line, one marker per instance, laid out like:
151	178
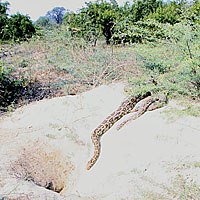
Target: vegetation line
153	45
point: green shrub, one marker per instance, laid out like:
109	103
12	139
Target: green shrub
21	27
167	13
10	87
137	32
172	65
17	27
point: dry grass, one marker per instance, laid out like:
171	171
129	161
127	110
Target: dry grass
67	67
43	166
56	66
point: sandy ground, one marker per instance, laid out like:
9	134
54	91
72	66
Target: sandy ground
149	158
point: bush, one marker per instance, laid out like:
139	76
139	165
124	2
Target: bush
137	32
16	27
21	26
167	13
10	87
172	65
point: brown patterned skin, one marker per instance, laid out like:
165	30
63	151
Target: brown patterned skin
125	108
148	104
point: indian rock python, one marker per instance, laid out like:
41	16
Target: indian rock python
126	107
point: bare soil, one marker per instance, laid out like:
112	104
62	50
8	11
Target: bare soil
45	147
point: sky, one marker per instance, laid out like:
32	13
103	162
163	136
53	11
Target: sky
37	8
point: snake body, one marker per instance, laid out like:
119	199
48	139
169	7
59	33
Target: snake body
126	107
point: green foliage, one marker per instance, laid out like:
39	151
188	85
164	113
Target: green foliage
10	87
175	11
3	7
80	26
56	15
53	18
170	13
21	27
4	33
16	27
43	22
133	22
84	64
192	12
195	11
5	29
142	8
172	65
137	32
64	62
95	19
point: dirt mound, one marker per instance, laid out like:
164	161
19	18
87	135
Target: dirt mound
45	147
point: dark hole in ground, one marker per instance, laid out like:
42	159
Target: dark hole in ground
49	170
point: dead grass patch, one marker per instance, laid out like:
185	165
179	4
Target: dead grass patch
43	166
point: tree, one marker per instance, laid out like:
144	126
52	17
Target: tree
68	17
56	15
3	7
192	12
16	27
43	22
142	8
95	19
21	27
133	22
4	30
167	13
196	7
